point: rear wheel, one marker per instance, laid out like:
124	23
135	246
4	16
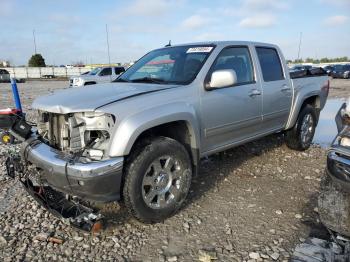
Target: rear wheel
157	180
301	135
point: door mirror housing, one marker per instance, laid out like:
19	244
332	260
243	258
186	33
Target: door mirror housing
222	78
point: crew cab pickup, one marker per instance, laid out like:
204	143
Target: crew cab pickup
97	76
140	139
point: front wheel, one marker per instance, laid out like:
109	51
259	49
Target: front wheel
301	135
157	180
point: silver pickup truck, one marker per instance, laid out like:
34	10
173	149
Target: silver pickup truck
140	139
98	75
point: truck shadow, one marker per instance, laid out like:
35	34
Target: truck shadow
213	170
217	167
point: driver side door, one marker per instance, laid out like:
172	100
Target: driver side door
105	76
232	114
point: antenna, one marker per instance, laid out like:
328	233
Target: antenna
34	42
169	44
301	35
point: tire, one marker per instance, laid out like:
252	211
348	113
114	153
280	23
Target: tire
298	138
152	196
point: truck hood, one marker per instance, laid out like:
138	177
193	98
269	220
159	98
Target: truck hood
89	98
86	77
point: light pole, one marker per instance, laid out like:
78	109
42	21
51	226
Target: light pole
109	57
34	42
301	34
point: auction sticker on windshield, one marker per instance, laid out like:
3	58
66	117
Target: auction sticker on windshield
200	49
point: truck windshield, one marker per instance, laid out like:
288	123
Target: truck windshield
171	65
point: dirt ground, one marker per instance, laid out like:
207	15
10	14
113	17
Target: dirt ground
251	203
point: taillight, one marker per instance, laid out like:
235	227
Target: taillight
325	87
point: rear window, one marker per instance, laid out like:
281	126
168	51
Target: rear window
270	64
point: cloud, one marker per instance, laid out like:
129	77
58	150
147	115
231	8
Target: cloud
336	20
258	21
194	21
264	4
148	8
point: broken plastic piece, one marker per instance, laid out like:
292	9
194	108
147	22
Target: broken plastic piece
76	214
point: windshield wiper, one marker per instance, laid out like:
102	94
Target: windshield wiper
148	80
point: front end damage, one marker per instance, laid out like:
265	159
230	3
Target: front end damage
65	164
333	200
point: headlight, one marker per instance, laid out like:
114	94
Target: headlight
345	141
94	130
77	81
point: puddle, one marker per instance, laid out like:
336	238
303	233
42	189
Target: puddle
326	129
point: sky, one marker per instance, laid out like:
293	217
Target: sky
69	31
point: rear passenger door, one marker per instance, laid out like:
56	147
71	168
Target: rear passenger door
277	92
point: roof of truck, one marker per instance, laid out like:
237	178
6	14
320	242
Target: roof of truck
224	43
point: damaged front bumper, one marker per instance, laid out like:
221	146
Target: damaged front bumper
98	181
61	185
338	166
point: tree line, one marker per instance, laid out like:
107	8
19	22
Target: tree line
318	61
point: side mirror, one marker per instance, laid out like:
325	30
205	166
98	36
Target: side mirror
222	78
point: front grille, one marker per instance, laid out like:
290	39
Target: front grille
61	131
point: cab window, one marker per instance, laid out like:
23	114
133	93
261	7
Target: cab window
106	72
270	64
237	59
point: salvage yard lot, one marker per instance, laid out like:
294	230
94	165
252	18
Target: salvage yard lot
260	197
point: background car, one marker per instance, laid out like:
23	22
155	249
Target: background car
97	75
341	71
5	77
300	68
329	69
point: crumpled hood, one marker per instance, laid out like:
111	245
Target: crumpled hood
89	98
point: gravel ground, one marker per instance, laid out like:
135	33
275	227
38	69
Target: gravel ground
254	202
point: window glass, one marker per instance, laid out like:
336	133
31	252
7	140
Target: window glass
171	65
106	72
270	64
238	59
119	70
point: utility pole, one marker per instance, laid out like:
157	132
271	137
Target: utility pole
34	42
301	35
109	57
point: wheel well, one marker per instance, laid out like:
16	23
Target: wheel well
313	101
177	130
89	83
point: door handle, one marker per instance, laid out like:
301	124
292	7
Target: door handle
285	88
254	92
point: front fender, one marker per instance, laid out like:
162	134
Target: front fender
133	126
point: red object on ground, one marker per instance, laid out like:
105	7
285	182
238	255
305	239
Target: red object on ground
9	111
